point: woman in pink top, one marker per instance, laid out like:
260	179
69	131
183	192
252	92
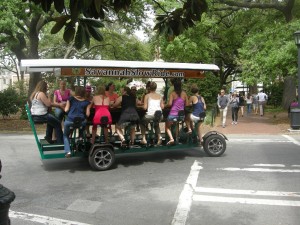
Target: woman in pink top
110	93
60	98
178	99
101	104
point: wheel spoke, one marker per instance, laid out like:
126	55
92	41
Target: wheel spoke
103	158
215	145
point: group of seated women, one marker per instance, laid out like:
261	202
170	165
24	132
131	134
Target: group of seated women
78	105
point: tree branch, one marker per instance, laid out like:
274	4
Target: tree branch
160	6
285	7
96	46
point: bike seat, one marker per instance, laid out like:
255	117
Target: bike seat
77	123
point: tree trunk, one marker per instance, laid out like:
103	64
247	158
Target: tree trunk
253	89
34	51
289	92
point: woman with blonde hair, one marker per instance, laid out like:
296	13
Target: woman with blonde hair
101	104
60	98
40	104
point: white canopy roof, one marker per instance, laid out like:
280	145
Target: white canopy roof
44	65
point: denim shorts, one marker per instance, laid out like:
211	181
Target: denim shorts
172	118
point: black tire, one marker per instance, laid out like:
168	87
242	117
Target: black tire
102	158
215	145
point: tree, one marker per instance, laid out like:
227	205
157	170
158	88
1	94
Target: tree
80	20
271	56
23	28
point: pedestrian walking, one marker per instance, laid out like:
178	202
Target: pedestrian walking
241	102
249	103
262	99
255	103
234	102
223	102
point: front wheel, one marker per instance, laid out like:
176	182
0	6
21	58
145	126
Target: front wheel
215	145
102	159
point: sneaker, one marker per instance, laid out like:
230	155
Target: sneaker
232	122
223	126
68	155
235	123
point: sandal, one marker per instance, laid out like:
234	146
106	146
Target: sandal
159	142
171	142
123	142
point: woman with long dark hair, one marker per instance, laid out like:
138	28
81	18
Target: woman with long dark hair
178	99
234	101
128	103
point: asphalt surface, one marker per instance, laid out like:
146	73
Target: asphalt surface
153	188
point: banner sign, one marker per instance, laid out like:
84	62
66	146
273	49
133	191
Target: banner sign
132	72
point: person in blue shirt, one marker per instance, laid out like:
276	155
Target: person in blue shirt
199	107
76	107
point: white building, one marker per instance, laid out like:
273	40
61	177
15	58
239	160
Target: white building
8	78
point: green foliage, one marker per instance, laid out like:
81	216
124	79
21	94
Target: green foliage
10	102
81	20
171	23
174	23
119	84
208	87
193	46
272	109
21	87
271	54
117	45
275	93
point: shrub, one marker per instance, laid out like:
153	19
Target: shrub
9	102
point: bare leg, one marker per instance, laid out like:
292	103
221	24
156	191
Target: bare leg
157	132
132	134
188	122
94	131
106	135
143	132
119	132
199	132
168	130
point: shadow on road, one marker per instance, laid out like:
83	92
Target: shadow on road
127	160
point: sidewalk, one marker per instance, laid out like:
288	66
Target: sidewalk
254	124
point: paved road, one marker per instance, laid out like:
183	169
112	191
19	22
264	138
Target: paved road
255	182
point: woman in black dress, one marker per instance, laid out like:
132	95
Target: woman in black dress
128	104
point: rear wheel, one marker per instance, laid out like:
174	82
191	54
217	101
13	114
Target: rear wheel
215	145
102	159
